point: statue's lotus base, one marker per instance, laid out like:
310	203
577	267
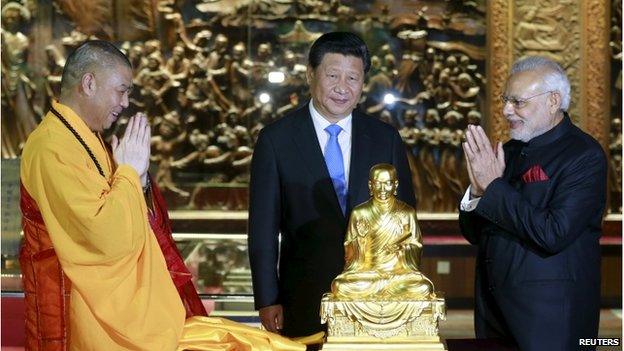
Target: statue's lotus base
382	325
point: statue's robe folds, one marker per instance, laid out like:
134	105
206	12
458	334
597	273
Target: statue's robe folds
122	295
382	254
381	287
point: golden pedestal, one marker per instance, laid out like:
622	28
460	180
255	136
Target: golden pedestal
383	325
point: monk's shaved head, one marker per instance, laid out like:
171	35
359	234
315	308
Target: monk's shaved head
90	56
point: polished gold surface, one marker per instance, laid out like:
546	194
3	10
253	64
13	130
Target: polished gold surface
381	298
382	247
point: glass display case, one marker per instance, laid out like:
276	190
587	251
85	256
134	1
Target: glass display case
220	267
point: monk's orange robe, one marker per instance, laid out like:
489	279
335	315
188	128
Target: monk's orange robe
122	296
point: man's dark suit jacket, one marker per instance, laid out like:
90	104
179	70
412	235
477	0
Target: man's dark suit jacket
538	264
291	193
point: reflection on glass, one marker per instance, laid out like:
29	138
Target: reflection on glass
218	262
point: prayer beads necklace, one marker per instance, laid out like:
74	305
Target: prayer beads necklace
75	133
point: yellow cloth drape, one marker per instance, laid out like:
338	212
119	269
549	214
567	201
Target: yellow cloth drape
122	295
218	334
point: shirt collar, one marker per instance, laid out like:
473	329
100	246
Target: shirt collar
320	123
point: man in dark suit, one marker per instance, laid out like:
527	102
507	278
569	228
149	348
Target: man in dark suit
534	208
309	169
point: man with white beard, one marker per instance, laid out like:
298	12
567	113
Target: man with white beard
534	209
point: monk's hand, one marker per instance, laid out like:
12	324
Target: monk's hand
483	162
134	147
272	318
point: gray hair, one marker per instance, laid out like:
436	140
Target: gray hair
90	55
554	77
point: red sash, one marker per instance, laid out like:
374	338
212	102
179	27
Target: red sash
159	221
47	289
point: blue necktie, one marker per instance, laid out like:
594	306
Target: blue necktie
335	165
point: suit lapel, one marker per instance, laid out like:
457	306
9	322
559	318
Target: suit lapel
361	145
310	150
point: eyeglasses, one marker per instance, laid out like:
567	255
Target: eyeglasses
520	103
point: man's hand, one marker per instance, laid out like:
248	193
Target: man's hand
134	147
272	318
483	164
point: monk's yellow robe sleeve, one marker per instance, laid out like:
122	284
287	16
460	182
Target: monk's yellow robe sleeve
122	296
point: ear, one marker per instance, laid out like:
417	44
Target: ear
554	102
370	187
88	84
309	75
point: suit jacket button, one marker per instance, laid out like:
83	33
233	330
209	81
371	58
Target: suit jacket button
492	288
488	260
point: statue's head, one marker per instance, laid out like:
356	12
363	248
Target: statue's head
154	61
202	39
152	46
13	13
221	43
383	182
264	50
178	52
238	51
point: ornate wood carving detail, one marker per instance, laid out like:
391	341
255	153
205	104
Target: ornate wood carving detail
574	33
596	63
552	29
498	65
92	17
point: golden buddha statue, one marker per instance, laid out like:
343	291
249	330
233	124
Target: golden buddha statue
381	298
382	247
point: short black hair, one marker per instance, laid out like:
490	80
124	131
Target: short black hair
90	54
345	43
